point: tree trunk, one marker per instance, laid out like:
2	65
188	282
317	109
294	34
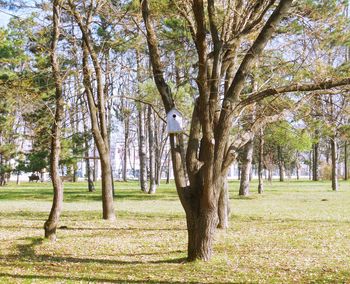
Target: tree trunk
142	150
246	168
51	223
201	228
346	160
224	207
94	169
281	166
99	131
297	165
126	147
334	154
107	192
260	163
315	159
269	178
152	180
141	133
168	170
91	186
310	165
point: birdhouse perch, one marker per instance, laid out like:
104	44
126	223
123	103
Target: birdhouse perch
174	121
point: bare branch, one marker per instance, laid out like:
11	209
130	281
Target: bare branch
307	87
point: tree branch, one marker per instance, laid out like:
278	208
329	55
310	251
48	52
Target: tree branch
307	87
154	53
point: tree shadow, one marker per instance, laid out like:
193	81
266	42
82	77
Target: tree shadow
66	228
26	251
90	279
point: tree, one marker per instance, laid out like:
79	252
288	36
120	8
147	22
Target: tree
51	223
217	30
97	107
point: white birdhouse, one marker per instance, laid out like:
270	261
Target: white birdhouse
174	121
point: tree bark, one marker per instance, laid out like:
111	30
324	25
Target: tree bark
315	163
168	170
260	163
141	132
151	151
51	223
89	172
297	165
101	141
310	164
224	207
270	175
126	147
334	154
246	168
281	166
95	167
346	160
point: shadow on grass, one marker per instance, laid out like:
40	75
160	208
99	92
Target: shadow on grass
27	251
65	228
91	279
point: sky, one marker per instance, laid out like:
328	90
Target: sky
4	18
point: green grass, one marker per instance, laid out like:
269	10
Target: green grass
296	232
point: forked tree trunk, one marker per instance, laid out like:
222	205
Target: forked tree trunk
51	223
200	182
97	106
334	154
98	121
246	168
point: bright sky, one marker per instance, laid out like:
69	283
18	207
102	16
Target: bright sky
4	18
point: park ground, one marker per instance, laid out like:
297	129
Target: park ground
296	232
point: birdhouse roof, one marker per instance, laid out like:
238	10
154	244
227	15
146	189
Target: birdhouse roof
174	109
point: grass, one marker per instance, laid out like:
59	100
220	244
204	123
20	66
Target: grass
296	232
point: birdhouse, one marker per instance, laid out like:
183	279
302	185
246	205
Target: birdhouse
174	121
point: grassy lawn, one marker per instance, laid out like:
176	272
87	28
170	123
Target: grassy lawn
296	232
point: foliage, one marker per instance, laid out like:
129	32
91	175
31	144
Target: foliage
37	161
